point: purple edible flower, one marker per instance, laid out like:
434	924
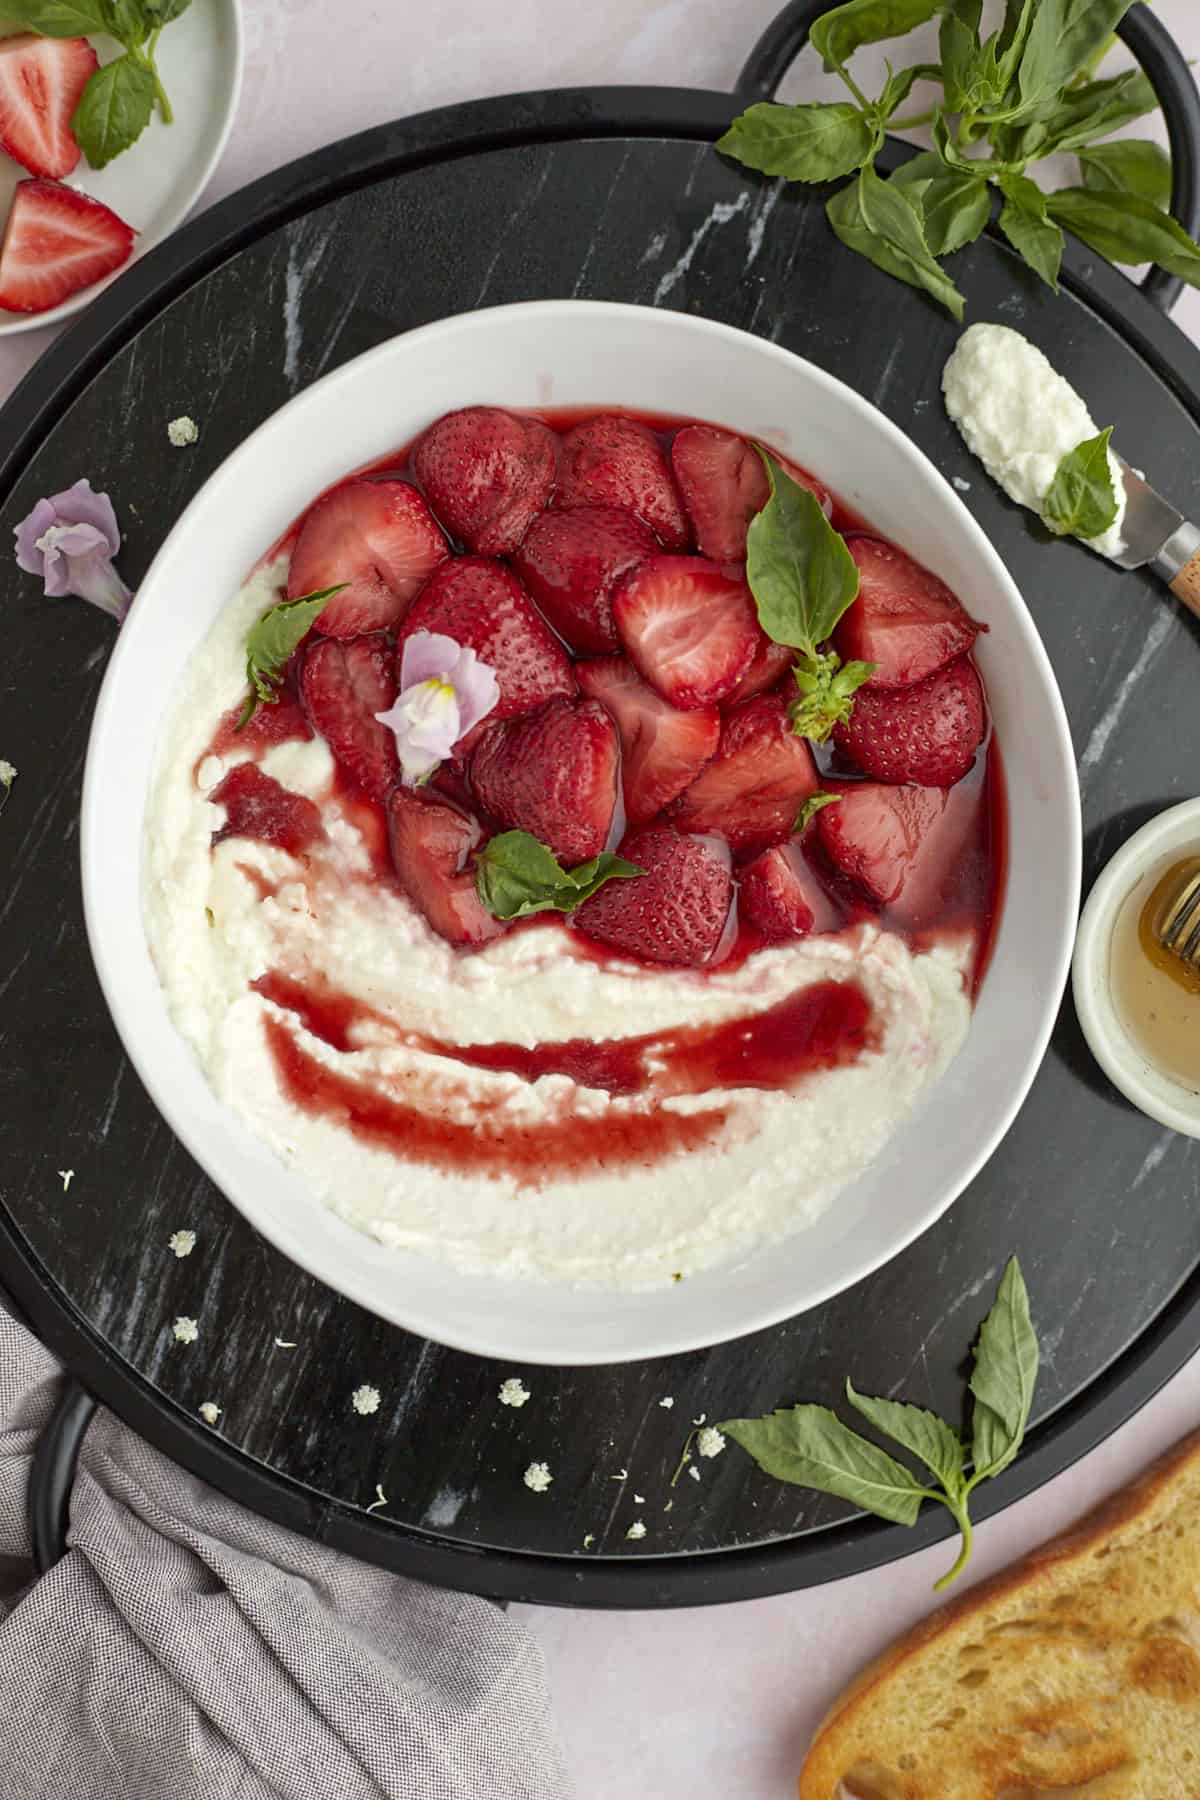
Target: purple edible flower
444	691
70	541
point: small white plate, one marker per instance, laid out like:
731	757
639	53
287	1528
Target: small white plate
154	184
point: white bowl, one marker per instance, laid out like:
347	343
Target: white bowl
1141	862
567	353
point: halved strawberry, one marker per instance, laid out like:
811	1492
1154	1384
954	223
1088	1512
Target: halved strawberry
662	749
57	241
483	606
487	473
723	483
676	911
378	537
780	896
430	841
41	81
343	686
572	560
927	732
615	461
875	834
905	620
754	786
553	773
688	627
771	661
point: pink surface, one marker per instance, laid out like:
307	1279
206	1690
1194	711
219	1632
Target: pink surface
719	1701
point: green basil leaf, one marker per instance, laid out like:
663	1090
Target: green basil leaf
810	1446
127	22
57	18
812	806
1002	1381
881	222
955	207
272	639
1080	116
897	88
799	570
114	109
1062	36
929	1438
1024	223
1127	229
1081	501
915	175
802	143
827	689
1018	15
162	12
838	34
1131	166
517	875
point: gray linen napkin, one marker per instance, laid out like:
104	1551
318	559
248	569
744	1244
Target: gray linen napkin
185	1650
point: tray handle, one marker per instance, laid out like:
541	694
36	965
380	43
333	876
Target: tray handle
1150	42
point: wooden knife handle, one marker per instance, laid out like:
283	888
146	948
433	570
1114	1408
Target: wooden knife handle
1187	584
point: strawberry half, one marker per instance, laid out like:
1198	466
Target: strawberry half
779	895
41	83
662	749
343	686
688	627
57	241
482	605
676	912
771	662
553	773
723	483
927	732
572	560
430	842
615	461
378	537
487	473
875	834
905	620
754	786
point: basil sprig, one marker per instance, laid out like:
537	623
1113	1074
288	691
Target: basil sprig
810	1445
272	639
515	875
1081	501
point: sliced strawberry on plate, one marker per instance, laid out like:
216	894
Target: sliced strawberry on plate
487	474
754	786
482	606
724	483
927	732
343	686
41	82
689	628
875	835
905	620
615	461
377	537
662	749
677	911
771	661
430	841
779	895
57	241
572	560
552	773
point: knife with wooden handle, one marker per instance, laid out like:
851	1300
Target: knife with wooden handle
1159	538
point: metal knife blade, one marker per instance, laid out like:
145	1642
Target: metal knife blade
1152	529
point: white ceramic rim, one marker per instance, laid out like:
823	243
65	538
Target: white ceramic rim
1124	1064
411	1314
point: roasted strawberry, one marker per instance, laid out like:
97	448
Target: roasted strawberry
927	732
482	605
724	483
380	539
41	82
572	560
676	911
487	473
905	619
552	773
780	897
875	834
430	841
615	461
688	627
771	661
662	749
754	786
343	686
56	242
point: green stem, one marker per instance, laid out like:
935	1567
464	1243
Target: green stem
854	88
963	1518
924	118
160	92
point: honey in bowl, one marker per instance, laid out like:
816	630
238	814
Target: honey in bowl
1155	993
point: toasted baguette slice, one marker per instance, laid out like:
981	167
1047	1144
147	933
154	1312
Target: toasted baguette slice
1075	1672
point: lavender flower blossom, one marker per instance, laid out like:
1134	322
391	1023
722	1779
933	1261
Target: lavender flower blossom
70	541
444	691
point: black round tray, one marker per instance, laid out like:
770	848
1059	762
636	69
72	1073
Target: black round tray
614	194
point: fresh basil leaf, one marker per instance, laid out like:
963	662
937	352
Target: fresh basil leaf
827	689
1080	117
57	18
929	1438
127	22
1002	1381
1024	223
1018	15
114	109
1131	166
955	207
1127	229
1062	36
272	639
801	143
1081	501
971	74
838	34
517	875
915	175
812	806
799	570
162	12
897	88
810	1446
899	250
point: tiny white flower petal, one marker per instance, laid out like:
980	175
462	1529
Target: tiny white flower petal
365	1399
636	1530
710	1441
538	1477
182	1242
476	687
513	1392
186	1330
668	1401
210	1412
427	654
